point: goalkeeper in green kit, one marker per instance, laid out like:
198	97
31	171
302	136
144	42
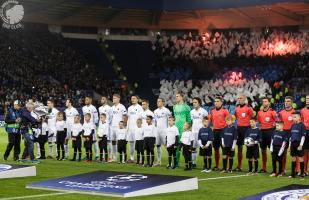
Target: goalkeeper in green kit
182	114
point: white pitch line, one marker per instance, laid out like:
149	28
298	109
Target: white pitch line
221	177
36	196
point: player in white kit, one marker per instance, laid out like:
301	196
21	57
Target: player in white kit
70	113
107	110
146	112
197	115
51	126
89	108
119	113
134	113
161	115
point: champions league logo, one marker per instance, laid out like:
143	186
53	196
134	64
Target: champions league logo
4	167
110	182
11	13
301	194
126	178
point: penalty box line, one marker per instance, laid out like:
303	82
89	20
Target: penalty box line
221	177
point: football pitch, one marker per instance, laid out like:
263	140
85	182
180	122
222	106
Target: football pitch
212	185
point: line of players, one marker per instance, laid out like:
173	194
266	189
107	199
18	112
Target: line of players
116	117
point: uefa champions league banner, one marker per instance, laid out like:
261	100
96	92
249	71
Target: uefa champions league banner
290	192
14	171
121	184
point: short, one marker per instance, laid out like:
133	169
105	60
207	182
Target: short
186	151
241	132
139	145
266	138
113	133
149	143
61	135
171	150
227	151
160	138
52	137
306	143
206	152
217	138
130	136
102	142
195	142
88	144
253	152
294	151
77	142
42	139
122	146
274	154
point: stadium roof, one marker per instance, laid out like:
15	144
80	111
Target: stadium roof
162	14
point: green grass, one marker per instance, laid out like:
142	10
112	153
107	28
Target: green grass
234	188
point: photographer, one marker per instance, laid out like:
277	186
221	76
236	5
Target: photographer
12	120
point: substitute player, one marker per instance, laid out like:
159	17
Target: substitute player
119	113
92	110
134	113
197	115
181	112
161	117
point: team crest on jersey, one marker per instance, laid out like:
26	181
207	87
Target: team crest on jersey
11	13
288	195
290	118
243	114
267	119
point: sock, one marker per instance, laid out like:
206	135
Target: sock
297	165
159	154
280	167
293	169
224	163
169	160
194	157
306	157
96	149
250	165
38	149
217	157
256	165
205	163
143	159
106	157
120	157
175	161
148	159
190	164
74	155
131	150
239	157
114	152
109	149
283	161
301	168
50	149
209	163
264	159
152	159
230	163
79	155
274	162
66	149
138	158
125	157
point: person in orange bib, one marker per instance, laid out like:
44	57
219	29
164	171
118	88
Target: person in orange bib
286	117
267	118
243	115
217	118
305	119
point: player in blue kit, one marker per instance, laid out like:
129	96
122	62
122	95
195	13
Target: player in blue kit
205	139
228	142
253	153
298	135
278	143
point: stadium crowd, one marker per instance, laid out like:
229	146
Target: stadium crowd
215	45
